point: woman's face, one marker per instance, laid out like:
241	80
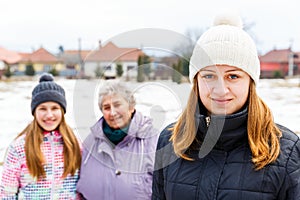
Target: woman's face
116	111
223	89
48	115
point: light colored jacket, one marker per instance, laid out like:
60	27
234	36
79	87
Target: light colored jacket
17	183
123	171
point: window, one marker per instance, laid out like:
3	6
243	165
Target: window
130	67
107	68
47	68
70	67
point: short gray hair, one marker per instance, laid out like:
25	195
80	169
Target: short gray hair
116	87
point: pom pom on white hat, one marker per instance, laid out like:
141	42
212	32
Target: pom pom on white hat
226	43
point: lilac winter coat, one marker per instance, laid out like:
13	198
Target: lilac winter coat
123	171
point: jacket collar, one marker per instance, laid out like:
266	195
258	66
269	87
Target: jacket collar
54	134
227	131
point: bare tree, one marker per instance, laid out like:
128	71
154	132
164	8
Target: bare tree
185	49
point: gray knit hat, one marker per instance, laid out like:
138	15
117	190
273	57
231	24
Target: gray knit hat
47	90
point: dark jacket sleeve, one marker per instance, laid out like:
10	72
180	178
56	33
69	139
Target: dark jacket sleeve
292	182
163	157
290	189
158	184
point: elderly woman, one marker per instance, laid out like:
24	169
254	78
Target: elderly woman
118	155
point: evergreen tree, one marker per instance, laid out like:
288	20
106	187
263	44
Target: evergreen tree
140	60
147	66
119	70
144	67
140	75
29	71
98	72
177	72
7	72
54	72
185	66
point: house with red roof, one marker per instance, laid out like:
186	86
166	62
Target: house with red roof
107	57
277	63
8	58
41	60
73	61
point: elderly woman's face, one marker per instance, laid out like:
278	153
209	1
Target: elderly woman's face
116	111
223	89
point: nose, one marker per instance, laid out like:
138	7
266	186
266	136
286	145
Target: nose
221	87
49	113
112	111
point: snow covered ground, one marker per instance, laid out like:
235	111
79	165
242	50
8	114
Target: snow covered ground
162	100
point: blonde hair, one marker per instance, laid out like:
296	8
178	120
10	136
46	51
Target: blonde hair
263	134
34	156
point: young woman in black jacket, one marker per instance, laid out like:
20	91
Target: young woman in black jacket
226	145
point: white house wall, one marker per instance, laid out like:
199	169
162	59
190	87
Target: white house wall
90	67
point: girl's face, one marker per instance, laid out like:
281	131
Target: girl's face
223	89
48	115
116	111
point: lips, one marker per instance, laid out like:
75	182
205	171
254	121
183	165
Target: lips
49	125
48	121
221	101
115	118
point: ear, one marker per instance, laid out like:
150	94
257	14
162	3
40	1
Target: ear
131	109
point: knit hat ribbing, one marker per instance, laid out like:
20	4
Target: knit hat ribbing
226	43
47	90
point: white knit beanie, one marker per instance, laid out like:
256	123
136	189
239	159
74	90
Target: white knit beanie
226	43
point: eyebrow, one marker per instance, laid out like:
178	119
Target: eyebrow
113	102
203	70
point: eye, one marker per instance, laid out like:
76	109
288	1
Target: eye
207	76
233	76
106	108
55	108
117	105
41	107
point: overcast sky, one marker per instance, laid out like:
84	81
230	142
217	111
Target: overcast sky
26	25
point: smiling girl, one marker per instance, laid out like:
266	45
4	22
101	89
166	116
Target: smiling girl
226	145
43	161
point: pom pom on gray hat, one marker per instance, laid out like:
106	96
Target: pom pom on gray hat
226	43
47	90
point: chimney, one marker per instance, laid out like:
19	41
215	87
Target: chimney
100	44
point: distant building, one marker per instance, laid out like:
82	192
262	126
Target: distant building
106	58
41	60
77	63
276	63
8	58
73	61
163	67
